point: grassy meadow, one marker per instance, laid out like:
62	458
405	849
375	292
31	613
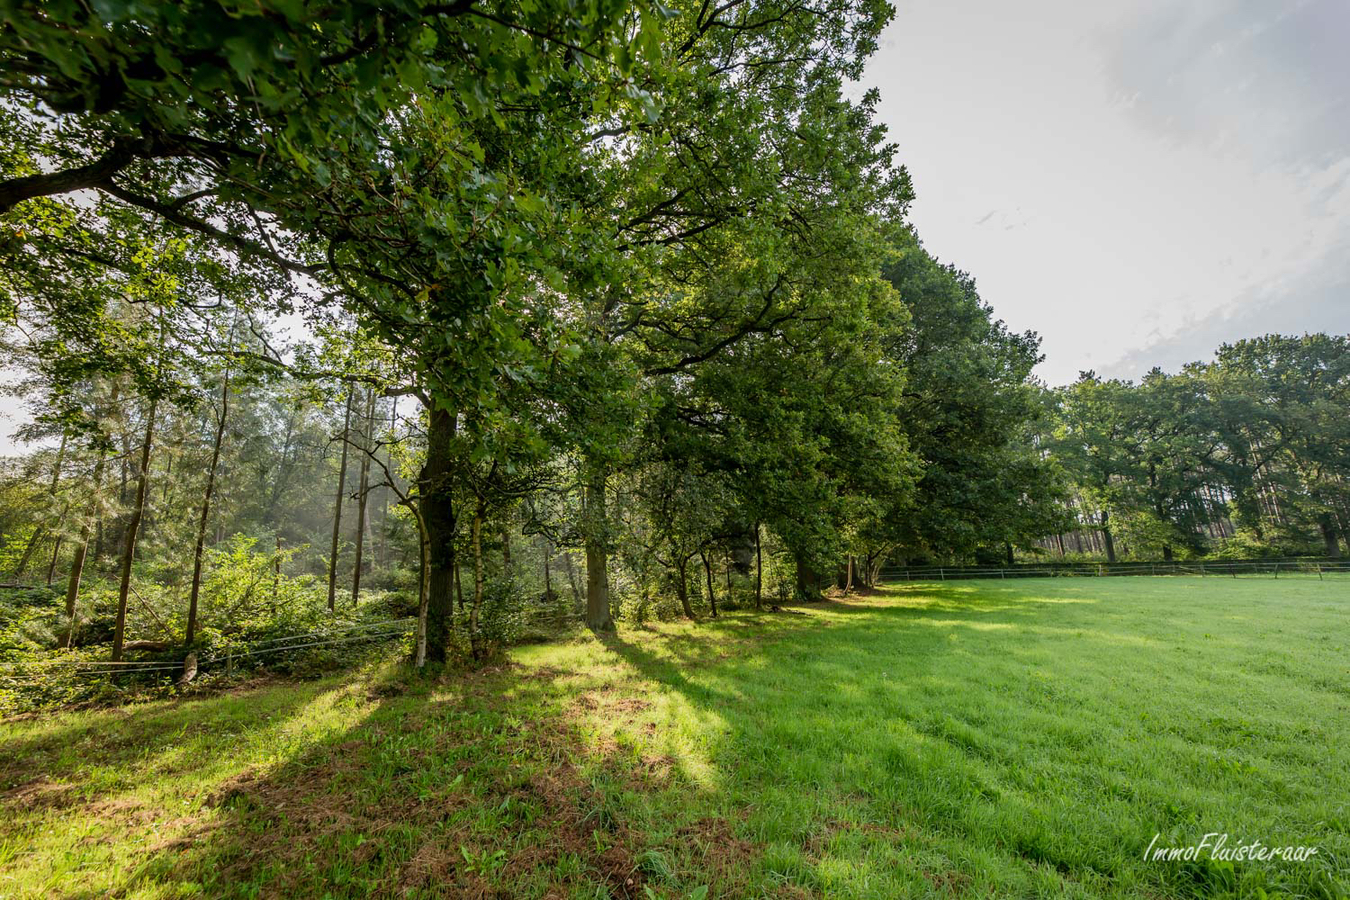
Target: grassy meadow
1001	739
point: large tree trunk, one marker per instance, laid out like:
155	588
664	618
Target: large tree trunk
337	504
200	547
808	582
82	551
132	530
1106	536
361	493
1329	537
438	511
597	556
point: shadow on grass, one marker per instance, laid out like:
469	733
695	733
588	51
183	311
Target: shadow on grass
473	785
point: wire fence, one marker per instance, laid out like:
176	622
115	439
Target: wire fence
227	657
1272	568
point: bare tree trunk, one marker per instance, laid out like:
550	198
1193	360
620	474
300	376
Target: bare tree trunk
132	530
361	493
759	570
1329	536
475	639
1106	535
848	581
548	577
337	504
707	572
40	532
424	545
682	587
577	599
597	556
56	554
276	575
200	547
436	500
81	552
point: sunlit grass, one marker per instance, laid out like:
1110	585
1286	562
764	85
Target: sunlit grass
1019	738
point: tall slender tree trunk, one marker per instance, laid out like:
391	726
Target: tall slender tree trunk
578	604
424	547
475	639
548	576
438	511
276	574
381	534
597	555
707	571
82	550
132	531
200	547
364	483
337	504
40	532
56	554
759	570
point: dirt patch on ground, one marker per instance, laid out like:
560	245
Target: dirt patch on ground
724	854
41	793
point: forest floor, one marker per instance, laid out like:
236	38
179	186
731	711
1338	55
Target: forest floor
1019	738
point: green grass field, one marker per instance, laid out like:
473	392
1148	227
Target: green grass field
1008	739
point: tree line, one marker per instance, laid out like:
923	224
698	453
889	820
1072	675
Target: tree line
1247	455
498	305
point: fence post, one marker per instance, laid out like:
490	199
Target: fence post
1319	571
941	576
1277	570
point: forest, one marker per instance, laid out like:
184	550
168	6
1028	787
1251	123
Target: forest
494	318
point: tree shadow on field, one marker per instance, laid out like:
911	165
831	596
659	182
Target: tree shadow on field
52	766
472	785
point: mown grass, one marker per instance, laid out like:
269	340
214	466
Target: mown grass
1022	738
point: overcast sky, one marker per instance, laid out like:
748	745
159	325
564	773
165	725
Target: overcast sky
1138	181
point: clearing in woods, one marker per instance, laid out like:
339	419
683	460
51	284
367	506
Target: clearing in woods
1023	738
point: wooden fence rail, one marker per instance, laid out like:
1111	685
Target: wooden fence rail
1322	568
